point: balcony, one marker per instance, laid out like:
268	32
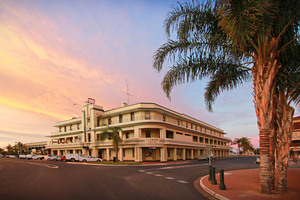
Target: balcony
66	145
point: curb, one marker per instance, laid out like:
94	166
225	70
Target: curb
212	193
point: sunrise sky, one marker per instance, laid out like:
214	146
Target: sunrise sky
55	54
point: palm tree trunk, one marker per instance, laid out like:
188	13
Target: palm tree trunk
117	154
273	138
264	73
284	132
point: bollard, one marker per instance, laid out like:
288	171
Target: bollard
213	177
222	186
209	177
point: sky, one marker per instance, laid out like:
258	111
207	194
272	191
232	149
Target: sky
55	54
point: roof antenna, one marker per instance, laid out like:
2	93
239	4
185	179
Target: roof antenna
127	92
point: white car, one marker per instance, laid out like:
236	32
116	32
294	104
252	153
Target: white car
89	159
257	160
50	157
37	157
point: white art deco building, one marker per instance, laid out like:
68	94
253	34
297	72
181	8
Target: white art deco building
150	132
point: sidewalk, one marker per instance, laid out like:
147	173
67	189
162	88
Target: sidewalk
244	184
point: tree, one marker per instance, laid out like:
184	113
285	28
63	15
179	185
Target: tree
9	149
244	143
2	151
112	133
229	42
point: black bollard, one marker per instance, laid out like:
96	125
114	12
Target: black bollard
213	177
210	172
222	186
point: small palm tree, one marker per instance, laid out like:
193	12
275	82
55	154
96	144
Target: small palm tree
112	133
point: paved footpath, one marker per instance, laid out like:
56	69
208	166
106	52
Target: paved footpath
244	184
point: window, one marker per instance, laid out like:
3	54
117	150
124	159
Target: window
70	127
170	134
164	118
109	121
178	122
78	126
148	134
187	134
65	128
124	152
127	135
59	129
179	133
195	139
120	118
132	116
147	115
98	122
89	137
191	126
186	125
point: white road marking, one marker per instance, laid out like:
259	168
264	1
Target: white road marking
46	165
157	175
170	178
181	166
40	164
149	172
180	181
141	170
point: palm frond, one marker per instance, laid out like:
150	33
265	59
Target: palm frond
227	77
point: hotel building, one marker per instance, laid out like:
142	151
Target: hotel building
295	145
150	132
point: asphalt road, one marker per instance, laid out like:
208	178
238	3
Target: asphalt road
33	179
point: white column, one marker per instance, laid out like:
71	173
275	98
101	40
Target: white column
162	132
163	154
94	152
183	154
138	154
107	154
137	132
175	153
121	154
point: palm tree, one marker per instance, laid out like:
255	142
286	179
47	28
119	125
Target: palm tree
112	133
287	91
229	42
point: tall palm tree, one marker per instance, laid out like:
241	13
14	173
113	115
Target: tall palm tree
112	133
229	42
287	91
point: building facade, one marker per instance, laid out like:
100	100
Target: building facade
295	145
150	132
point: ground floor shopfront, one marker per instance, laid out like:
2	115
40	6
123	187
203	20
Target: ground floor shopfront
142	154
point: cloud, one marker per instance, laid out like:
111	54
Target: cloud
54	54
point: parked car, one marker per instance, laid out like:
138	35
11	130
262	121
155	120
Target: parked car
89	159
257	160
37	157
57	158
12	156
23	156
204	157
73	156
50	157
1	155
63	158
